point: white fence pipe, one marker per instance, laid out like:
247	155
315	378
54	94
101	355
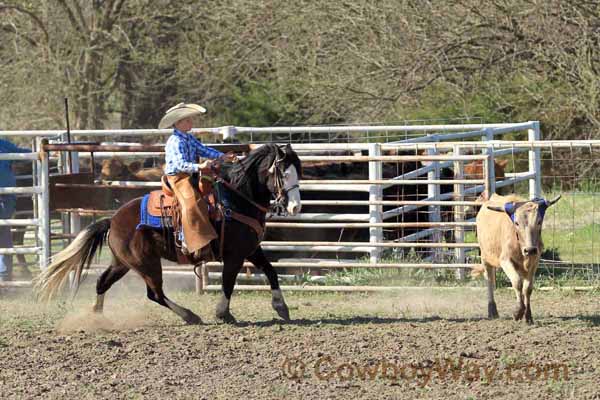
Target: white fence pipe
322	217
21	190
459	214
320	249
535	167
335	264
74	218
433	192
428	157
301	245
437	137
43	205
289	130
386	203
18	156
19	222
21	250
491	167
392	182
381	128
328	225
375	194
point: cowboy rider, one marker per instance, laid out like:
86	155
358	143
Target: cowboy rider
182	153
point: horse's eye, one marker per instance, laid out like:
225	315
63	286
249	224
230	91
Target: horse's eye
516	224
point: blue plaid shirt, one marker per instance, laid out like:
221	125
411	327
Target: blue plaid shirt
7	178
183	151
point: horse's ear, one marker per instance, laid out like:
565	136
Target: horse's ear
281	151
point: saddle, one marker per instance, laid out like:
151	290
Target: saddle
163	203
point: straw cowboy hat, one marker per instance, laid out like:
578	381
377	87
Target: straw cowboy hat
179	112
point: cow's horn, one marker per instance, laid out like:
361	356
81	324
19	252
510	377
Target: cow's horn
554	200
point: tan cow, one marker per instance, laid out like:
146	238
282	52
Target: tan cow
509	232
116	169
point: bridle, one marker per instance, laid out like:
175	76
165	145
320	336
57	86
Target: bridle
280	192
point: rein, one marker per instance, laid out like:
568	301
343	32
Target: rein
229	186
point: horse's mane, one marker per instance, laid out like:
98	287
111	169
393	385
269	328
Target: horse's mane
257	163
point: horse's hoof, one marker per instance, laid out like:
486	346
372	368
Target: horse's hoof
282	311
227	318
192	319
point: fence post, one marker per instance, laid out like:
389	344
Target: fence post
201	279
75	218
535	167
228	132
43	205
375	194
433	193
459	215
491	164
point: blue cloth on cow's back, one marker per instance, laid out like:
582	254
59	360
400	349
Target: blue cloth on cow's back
147	220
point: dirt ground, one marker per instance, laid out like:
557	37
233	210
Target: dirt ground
402	345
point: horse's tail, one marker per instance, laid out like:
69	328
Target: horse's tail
75	257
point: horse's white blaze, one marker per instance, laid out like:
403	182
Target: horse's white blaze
290	179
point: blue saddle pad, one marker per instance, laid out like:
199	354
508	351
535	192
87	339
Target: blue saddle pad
147	220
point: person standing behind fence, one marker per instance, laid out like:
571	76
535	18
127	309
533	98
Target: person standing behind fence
8	203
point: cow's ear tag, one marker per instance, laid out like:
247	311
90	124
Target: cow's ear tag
510	210
542	209
542	206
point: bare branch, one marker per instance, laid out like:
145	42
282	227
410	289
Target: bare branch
31	15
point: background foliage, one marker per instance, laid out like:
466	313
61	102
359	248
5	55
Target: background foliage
275	62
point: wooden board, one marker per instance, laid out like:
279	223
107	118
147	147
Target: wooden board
97	197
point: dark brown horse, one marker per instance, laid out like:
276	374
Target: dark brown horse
267	170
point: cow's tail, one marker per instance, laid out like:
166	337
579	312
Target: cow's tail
74	258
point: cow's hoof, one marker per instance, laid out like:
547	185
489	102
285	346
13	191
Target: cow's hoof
528	317
518	314
492	311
